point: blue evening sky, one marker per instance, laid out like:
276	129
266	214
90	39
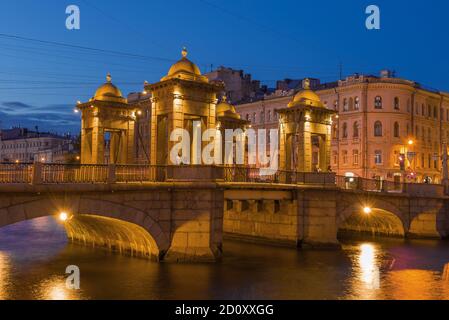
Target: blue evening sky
41	82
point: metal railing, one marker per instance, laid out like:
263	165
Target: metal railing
386	186
255	175
73	173
140	173
16	172
40	173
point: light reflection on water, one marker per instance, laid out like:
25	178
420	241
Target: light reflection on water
34	255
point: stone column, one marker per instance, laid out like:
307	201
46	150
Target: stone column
97	145
86	146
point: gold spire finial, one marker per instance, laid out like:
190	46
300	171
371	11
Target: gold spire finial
108	77
224	98
184	52
306	83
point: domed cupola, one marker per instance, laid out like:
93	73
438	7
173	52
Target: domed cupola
306	97
109	92
185	69
225	109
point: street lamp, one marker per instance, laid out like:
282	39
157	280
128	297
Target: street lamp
63	216
367	210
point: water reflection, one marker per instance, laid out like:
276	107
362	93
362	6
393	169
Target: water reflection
368	266
34	256
55	288
4	275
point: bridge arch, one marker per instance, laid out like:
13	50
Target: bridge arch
377	218
96	221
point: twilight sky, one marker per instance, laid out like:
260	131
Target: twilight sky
137	40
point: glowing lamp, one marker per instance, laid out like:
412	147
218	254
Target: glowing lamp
63	216
367	210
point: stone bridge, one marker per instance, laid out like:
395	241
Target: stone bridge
182	213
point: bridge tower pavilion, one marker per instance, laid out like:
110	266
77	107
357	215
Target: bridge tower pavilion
183	99
107	127
228	118
305	133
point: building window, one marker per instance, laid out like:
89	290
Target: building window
378	129
345	104
335	157
355	157
396	103
378	102
396	157
429	110
408	105
435	112
356	103
334	131
396	130
345	156
429	160
423	110
345	130
351	104
269	115
336	105
378	157
262	117
355	130
254	117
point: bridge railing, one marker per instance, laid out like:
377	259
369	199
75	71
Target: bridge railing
73	173
16	172
140	173
255	175
386	186
40	173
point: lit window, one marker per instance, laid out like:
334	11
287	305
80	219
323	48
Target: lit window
345	105
355	156
356	103
378	157
378	102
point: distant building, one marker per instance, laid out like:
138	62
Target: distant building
295	84
239	85
23	145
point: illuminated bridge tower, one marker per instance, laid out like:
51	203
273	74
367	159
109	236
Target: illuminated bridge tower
305	133
107	127
183	99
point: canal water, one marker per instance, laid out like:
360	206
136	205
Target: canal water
34	255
